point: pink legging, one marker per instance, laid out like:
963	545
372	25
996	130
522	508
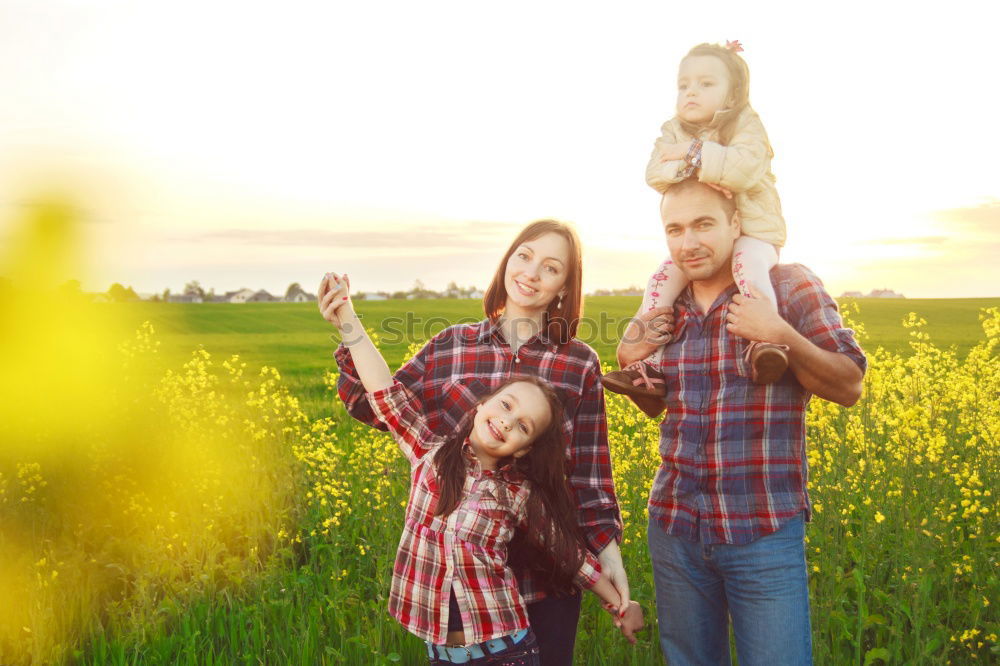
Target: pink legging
752	259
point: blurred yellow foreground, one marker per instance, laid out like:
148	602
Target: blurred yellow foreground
122	481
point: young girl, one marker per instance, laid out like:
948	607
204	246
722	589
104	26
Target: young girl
502	468
717	137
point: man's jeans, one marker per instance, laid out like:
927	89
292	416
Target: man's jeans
761	585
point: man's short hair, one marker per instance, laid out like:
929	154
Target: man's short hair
692	184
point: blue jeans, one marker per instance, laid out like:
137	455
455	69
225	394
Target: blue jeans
762	586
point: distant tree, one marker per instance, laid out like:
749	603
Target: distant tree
192	288
120	294
293	289
166	295
210	295
399	294
71	289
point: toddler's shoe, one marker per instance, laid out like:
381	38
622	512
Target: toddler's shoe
767	360
638	379
651	406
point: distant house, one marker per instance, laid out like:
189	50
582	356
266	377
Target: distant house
238	296
372	297
477	295
185	298
852	294
262	296
297	294
884	293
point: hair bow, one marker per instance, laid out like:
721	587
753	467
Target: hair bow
734	46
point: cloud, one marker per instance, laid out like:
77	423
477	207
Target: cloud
920	240
470	236
980	220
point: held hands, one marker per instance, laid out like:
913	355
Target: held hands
628	622
333	297
755	318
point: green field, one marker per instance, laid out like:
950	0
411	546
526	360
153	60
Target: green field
293	337
174	507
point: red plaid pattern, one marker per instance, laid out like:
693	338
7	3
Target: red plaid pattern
465	550
733	465
466	362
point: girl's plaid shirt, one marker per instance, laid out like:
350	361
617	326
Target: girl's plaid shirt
465	550
466	362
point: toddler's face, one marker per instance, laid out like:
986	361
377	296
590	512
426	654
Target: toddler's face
702	89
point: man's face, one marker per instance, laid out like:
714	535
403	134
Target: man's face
700	232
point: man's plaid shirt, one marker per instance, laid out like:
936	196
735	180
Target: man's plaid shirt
465	550
466	362
733	465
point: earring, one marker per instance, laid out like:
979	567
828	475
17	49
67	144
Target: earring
559	303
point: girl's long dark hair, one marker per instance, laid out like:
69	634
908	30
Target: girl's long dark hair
552	545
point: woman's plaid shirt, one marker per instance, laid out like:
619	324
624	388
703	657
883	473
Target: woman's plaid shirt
465	550
466	362
733	465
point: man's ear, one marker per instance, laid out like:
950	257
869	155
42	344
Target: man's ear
736	222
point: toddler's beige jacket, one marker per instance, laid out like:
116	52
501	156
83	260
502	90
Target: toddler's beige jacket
743	167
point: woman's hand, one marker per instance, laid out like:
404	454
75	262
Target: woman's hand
332	295
612	567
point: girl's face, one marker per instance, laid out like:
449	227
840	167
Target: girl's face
536	272
508	422
702	89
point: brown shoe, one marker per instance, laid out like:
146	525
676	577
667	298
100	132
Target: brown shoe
650	406
768	361
638	379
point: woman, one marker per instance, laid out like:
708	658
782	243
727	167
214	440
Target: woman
532	307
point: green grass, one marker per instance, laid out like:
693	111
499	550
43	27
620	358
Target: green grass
323	601
293	338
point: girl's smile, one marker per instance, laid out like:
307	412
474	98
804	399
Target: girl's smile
507	424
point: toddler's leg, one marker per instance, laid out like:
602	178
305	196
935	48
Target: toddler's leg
664	286
662	289
643	381
752	261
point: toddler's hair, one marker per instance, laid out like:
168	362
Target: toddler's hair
739	87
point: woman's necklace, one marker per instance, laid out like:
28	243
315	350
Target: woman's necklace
512	334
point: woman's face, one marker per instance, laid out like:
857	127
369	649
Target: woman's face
536	272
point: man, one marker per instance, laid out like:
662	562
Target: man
729	501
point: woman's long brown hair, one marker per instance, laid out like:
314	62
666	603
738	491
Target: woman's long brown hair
553	535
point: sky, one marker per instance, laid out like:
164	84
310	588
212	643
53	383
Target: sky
254	144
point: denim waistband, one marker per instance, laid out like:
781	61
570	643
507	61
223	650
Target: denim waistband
465	653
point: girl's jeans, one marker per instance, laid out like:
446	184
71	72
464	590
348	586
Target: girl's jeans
762	586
